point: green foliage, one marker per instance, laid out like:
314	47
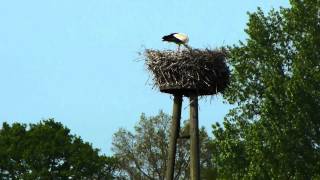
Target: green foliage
47	151
274	132
143	154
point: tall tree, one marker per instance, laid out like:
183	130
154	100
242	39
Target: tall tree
274	132
47	150
143	154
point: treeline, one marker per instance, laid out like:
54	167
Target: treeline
272	133
47	150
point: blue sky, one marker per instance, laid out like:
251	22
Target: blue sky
77	61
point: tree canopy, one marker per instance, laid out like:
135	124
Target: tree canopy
143	153
47	150
274	132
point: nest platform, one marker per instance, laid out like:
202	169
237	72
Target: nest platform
188	72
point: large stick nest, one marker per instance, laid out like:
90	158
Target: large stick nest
192	71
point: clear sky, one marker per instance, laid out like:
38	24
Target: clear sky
77	61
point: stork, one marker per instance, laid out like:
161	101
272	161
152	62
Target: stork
178	38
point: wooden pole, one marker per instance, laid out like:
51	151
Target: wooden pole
174	134
194	138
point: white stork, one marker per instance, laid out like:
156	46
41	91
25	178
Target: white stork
178	38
